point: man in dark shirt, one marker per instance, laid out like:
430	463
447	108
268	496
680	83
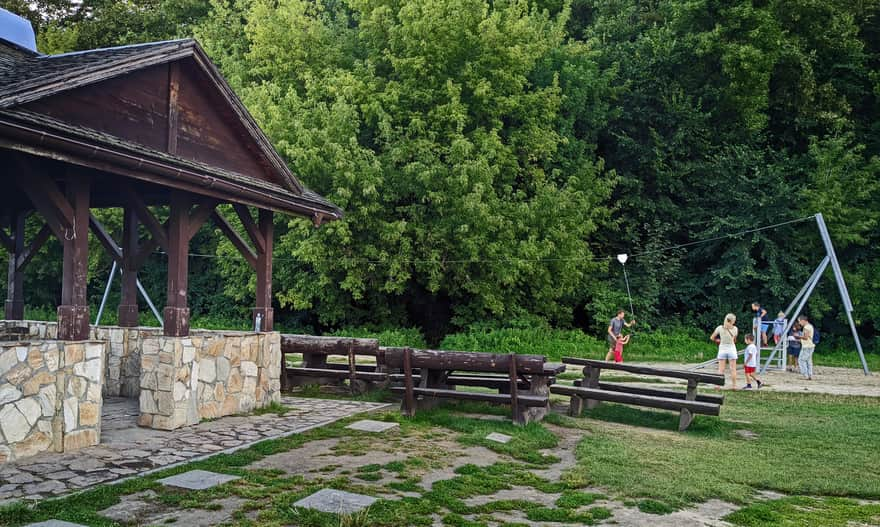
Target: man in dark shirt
614	328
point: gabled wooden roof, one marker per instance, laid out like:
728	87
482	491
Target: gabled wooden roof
114	102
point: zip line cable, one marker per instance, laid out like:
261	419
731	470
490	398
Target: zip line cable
724	236
366	261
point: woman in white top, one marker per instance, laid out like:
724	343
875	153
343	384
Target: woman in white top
725	336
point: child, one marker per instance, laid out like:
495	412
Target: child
760	314
618	347
751	362
794	347
778	327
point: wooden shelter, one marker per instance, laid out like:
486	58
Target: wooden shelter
135	127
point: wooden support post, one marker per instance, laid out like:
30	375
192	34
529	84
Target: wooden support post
73	313
263	308
352	370
15	276
409	400
128	306
176	313
591	379
686	416
518	417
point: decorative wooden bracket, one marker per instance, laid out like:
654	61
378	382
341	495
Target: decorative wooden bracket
36	244
49	201
226	228
250	226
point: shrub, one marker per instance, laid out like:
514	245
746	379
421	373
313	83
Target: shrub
411	337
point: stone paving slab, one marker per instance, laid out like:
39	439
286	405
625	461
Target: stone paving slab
336	501
127	450
197	480
369	425
54	523
499	438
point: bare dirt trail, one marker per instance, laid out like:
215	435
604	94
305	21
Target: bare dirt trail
826	379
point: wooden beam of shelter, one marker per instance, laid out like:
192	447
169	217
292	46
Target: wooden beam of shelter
229	231
15	278
127	312
73	313
42	191
173	107
200	215
36	244
104	237
263	315
250	226
146	216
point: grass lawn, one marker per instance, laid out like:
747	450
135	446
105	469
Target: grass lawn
820	451
803	445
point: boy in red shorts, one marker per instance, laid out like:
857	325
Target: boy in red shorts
751	362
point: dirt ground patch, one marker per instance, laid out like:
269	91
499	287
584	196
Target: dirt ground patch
826	379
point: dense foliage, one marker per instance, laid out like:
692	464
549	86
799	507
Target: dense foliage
492	156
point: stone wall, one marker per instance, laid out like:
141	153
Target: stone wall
123	362
50	396
181	380
207	375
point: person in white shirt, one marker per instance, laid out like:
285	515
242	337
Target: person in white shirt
725	336
805	359
751	362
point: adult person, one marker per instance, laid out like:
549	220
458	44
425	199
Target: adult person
805	360
725	336
614	328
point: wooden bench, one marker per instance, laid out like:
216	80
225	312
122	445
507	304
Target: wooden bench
316	369
525	387
590	391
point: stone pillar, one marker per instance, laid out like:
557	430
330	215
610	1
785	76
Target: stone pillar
50	397
128	306
169	383
73	313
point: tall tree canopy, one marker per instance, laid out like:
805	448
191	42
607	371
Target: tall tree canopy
492	156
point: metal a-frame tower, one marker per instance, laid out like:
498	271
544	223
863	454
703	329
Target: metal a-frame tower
797	305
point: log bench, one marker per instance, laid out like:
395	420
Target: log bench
590	391
525	387
316	369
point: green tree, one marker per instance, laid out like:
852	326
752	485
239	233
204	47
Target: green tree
441	128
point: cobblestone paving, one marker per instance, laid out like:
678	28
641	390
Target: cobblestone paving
127	450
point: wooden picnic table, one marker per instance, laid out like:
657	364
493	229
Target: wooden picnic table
523	381
590	391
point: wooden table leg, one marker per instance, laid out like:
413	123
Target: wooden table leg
591	378
538	385
409	401
686	417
